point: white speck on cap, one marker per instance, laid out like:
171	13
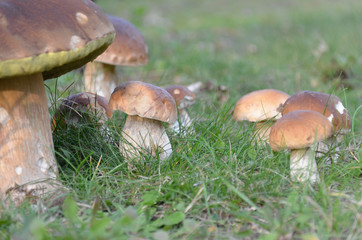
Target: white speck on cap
4	116
340	108
330	118
81	18
75	42
176	91
18	170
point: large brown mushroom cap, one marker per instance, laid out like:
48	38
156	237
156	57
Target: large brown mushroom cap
328	105
260	105
66	35
144	100
129	47
299	129
182	95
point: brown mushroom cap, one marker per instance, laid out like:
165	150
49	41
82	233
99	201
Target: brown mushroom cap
328	105
299	129
85	100
260	105
182	95
82	102
144	100
65	36
129	47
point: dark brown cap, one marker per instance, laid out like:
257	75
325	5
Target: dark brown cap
260	105
182	95
144	100
299	129
326	104
50	37
129	47
74	106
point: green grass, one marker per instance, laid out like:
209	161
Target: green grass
217	184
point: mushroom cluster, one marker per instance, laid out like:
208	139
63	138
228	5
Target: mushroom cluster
301	123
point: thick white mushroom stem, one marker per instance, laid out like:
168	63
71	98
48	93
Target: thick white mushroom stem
303	167
100	78
183	122
26	145
147	136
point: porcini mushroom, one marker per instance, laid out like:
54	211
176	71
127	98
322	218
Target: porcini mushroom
328	105
183	98
300	131
39	40
147	107
128	49
83	106
262	107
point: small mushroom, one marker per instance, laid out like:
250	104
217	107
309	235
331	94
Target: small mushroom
328	105
300	131
147	107
81	107
184	98
128	49
262	107
39	40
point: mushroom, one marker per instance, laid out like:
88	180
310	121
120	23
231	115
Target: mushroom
262	107
128	49
39	40
147	107
299	131
328	105
83	106
183	98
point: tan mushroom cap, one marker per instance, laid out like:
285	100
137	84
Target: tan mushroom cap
144	100
129	47
299	129
328	105
260	105
182	95
68	34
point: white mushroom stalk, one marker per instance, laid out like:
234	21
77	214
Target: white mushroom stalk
100	78
26	144
146	136
303	166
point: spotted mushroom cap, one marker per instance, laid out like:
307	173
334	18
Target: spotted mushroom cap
182	95
326	104
50	37
129	47
260	105
144	100
299	129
